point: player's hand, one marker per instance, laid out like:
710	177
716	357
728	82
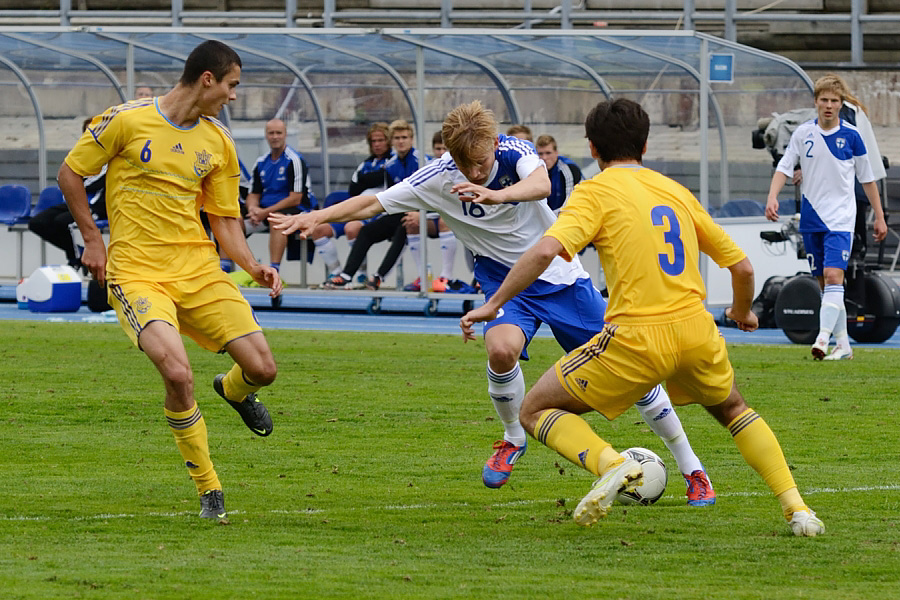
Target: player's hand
94	259
471	192
880	229
256	214
304	223
410	219
747	322
772	209
267	276
477	315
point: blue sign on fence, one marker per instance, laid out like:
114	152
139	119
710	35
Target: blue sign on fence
721	68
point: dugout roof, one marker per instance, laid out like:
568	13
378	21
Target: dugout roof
334	82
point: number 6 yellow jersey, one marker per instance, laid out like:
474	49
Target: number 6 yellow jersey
159	177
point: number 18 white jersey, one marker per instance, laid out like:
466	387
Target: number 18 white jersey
501	232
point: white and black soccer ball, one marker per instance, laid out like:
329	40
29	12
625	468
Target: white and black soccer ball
655	478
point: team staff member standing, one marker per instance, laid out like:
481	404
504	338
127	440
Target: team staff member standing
168	157
832	156
648	231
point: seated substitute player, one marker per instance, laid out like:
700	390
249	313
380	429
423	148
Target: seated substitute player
490	190
648	231
167	157
390	227
280	183
832	156
368	178
563	172
437	229
52	224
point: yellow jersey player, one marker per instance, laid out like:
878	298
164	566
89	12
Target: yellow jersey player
649	232
168	158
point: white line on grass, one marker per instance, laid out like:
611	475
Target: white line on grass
316	511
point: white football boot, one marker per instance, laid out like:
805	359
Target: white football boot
805	523
595	505
840	353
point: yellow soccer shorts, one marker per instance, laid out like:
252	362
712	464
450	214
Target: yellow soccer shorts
623	362
209	309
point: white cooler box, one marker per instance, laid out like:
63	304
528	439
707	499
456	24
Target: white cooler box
53	289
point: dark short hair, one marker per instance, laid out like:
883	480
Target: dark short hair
212	56
437	138
618	129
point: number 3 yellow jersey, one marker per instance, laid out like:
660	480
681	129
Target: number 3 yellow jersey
159	177
648	231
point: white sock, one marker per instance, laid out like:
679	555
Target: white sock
841	339
507	391
327	249
414	242
658	412
830	311
448	253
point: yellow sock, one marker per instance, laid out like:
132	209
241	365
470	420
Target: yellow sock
189	429
236	385
761	450
573	438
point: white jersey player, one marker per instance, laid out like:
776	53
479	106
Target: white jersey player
490	190
831	154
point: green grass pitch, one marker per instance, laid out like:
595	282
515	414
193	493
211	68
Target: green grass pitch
370	485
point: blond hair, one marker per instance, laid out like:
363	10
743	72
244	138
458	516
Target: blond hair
469	132
402	125
835	84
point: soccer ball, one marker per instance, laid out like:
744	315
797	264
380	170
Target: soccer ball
655	478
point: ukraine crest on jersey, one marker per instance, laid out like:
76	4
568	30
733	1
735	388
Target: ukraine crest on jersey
159	177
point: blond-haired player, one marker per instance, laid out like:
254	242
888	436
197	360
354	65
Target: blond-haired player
490	191
832	155
168	158
648	231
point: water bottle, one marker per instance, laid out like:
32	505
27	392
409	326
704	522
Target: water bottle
429	277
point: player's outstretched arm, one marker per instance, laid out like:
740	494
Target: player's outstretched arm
356	208
742	283
534	187
230	235
94	256
528	268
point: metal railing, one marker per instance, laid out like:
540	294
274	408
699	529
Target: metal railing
566	15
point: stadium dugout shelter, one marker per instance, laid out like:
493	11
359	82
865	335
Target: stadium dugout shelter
704	94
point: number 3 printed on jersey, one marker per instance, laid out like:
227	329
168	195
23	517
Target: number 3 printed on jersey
664	216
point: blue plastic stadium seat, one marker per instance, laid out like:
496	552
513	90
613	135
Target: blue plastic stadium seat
50	196
15	204
741	208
